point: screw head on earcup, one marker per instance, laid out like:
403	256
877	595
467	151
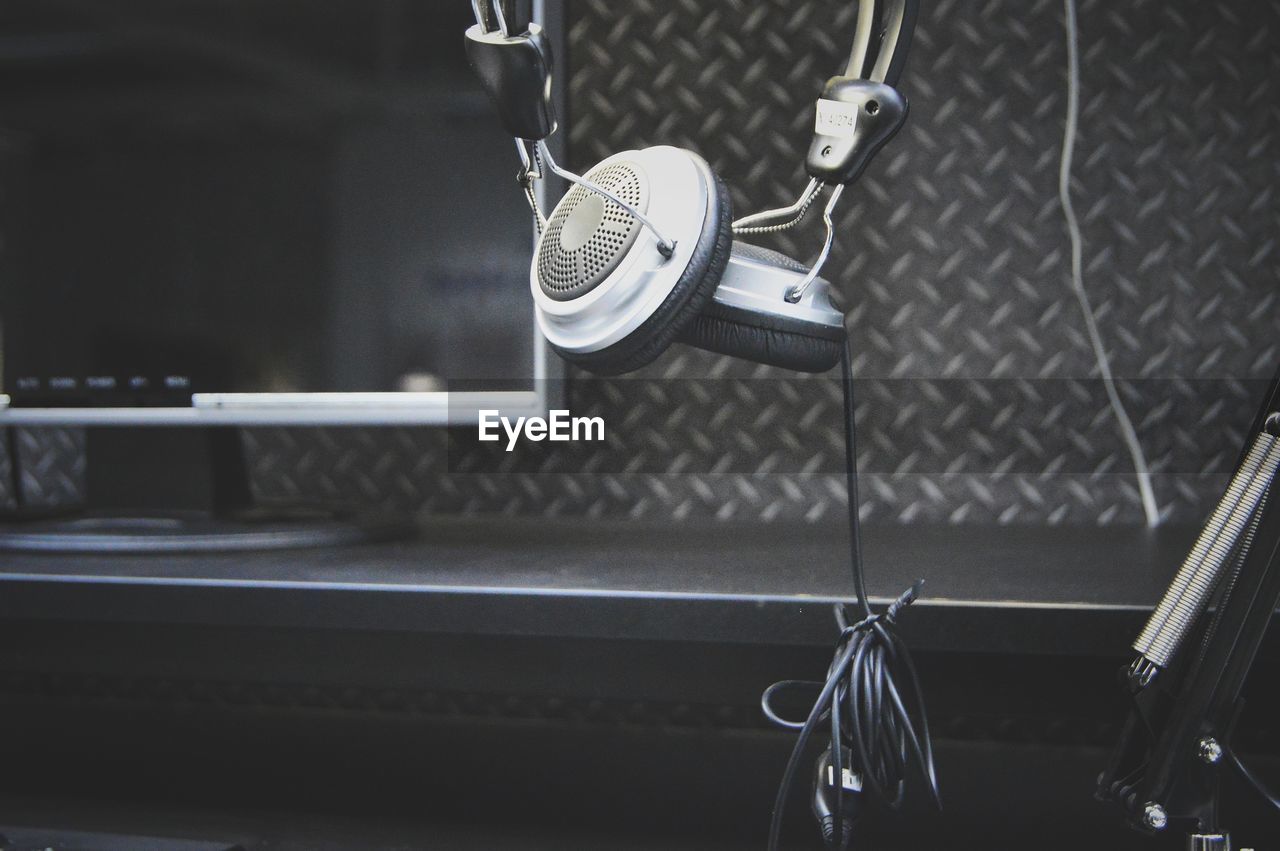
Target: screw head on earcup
606	299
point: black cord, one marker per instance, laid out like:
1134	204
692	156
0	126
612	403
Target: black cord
880	724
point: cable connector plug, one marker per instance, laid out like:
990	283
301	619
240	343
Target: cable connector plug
906	598
889	615
836	806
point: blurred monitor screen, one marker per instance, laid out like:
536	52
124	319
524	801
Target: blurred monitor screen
253	196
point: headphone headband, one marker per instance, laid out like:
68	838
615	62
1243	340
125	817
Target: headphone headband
882	40
510	17
860	111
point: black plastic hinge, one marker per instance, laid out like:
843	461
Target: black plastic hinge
516	74
854	119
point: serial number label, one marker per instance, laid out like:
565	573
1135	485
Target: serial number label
836	118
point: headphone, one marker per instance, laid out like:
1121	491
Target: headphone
642	251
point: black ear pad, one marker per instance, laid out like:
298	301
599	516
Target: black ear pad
688	298
764	337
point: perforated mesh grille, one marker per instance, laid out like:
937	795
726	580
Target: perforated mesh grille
571	264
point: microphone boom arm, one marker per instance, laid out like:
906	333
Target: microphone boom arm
1177	740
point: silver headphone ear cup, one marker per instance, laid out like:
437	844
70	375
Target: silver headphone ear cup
682	308
606	300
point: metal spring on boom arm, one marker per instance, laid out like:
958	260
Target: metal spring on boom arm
1189	594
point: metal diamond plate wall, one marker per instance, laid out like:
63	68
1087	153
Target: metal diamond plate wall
978	397
953	260
51	468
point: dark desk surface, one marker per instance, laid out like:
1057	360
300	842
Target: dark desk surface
482	615
616	579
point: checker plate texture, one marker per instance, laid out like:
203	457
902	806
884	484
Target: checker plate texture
51	468
978	397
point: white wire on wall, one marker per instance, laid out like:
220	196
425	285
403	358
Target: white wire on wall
1127	430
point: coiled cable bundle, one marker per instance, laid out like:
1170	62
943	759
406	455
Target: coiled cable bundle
871	699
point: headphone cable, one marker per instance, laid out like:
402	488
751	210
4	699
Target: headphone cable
871	697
